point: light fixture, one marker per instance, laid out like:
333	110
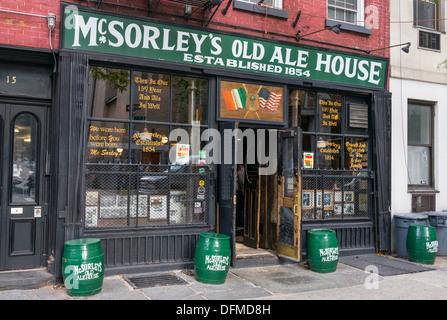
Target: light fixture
51	21
321	143
225	10
405	49
188	10
294	23
334	28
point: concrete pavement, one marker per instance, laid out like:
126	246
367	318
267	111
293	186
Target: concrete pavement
272	282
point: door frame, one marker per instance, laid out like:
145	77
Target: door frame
27	258
290	205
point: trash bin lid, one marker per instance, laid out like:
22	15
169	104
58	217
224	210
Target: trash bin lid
436	214
411	215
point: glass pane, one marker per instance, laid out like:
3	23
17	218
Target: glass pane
302	109
309	149
356	154
189	99
329	152
24	164
330	109
331	13
426	14
288	167
108	93
351	17
187	147
351	4
151	95
150	144
107	142
419	160
419	124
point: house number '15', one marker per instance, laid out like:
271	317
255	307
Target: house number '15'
11	79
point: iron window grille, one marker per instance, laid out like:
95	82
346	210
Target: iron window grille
141	196
337	195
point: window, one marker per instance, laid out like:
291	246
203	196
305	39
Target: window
274	3
24	164
143	152
426	14
429	40
349	11
271	7
336	181
420	154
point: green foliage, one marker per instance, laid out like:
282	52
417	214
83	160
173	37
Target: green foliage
120	79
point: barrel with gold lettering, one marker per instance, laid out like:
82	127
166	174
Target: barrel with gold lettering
83	266
212	258
322	250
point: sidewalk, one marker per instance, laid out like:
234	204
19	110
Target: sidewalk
273	282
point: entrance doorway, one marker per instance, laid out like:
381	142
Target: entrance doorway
23	185
259	208
255	191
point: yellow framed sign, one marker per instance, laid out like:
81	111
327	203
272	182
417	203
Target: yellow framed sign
251	102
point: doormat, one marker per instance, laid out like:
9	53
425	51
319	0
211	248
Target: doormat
386	265
158	280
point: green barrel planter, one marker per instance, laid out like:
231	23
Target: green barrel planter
83	266
322	250
212	258
422	244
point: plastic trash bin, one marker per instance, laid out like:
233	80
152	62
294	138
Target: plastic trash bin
402	221
439	221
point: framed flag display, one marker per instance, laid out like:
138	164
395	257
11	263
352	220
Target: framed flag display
251	102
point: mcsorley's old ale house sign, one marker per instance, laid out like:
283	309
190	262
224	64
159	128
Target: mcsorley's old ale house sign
95	32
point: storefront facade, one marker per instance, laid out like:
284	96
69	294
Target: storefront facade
146	133
157	121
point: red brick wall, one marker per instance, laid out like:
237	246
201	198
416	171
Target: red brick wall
26	30
30	31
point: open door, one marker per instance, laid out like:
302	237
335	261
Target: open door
227	184
289	195
252	203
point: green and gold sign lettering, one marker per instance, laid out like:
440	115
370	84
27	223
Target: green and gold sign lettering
96	32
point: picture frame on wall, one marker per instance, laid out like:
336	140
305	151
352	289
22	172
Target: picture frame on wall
348	208
251	102
349	196
158	207
91	216
307	199
325	199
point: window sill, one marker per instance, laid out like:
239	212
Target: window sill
348	27
253	8
422	190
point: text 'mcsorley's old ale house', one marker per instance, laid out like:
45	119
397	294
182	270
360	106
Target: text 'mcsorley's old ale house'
147	132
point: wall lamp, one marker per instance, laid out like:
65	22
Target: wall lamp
335	29
405	49
51	21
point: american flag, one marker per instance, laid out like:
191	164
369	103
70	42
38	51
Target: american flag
269	100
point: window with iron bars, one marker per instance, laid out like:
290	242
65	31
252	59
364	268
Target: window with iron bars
336	180
136	176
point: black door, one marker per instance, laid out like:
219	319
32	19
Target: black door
23	209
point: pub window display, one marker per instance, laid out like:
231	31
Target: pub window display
137	173
335	139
